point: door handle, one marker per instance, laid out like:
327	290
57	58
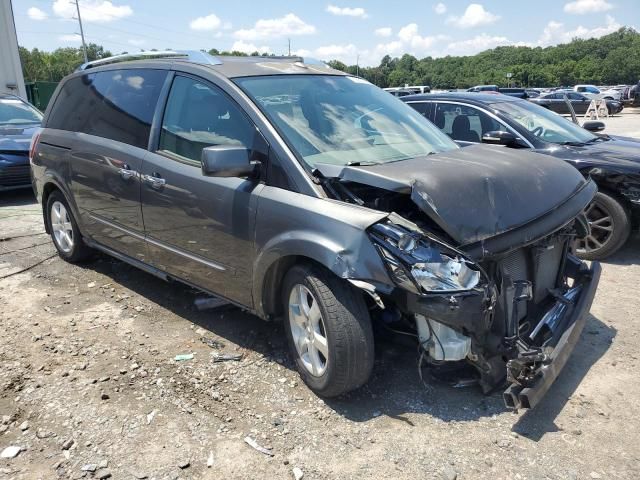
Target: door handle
126	173
154	181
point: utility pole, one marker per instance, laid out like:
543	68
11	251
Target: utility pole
357	65
289	42
84	45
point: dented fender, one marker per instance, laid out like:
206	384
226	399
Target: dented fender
328	232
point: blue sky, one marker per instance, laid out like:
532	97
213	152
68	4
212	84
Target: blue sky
338	29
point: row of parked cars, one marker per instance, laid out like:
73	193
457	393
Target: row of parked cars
565	100
305	194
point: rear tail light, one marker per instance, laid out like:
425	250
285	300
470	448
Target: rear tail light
34	145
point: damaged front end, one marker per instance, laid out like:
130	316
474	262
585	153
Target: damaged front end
514	317
511	305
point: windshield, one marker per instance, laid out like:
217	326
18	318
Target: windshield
544	124
343	120
14	111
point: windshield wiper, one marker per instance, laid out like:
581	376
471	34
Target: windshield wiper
361	164
573	144
599	139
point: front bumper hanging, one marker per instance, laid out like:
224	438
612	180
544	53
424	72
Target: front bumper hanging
548	366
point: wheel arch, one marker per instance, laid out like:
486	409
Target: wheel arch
47	189
609	184
273	264
49	186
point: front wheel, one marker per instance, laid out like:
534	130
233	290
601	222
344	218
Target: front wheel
610	228
329	331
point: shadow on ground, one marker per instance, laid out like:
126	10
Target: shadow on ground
17	198
395	388
629	254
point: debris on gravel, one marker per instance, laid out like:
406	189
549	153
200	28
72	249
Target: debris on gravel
10	452
253	444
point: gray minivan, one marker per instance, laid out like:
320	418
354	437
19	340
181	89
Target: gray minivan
306	194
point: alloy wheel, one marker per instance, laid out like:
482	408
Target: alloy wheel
61	226
308	330
601	224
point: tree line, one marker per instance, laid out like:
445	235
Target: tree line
609	60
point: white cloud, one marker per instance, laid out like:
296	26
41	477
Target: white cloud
393	49
303	52
73	37
248	47
474	16
477	44
35	13
347	11
136	42
92	10
209	23
440	9
555	32
383	32
288	25
580	7
329	52
410	37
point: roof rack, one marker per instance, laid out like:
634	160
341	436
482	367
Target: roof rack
195	56
192	55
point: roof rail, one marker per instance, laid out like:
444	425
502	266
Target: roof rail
192	55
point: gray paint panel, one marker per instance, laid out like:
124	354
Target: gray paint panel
326	231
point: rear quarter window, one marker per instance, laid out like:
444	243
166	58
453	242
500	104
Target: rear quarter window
115	104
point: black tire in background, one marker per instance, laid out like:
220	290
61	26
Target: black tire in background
345	324
77	251
610	228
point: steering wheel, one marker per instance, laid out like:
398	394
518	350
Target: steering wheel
538	131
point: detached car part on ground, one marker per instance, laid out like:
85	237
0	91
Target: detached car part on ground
302	193
612	162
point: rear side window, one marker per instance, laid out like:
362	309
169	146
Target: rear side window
422	108
116	104
464	123
198	116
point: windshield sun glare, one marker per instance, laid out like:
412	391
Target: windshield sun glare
343	120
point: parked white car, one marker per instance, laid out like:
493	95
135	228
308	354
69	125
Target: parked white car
593	92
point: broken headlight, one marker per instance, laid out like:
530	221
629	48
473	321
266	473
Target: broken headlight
420	264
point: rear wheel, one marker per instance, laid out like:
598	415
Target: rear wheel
610	228
329	331
64	230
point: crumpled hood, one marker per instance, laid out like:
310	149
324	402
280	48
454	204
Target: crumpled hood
16	138
476	192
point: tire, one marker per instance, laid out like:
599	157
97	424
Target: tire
604	206
344	322
70	245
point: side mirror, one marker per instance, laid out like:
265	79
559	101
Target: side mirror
500	138
594	126
226	161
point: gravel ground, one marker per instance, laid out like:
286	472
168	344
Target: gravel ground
90	387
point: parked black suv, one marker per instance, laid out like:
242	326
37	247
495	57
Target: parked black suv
613	162
303	193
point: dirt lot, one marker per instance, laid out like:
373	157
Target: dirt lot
89	386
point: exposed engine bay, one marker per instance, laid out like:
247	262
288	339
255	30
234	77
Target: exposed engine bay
502	306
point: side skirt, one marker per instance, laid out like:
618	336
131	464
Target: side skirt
160	273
